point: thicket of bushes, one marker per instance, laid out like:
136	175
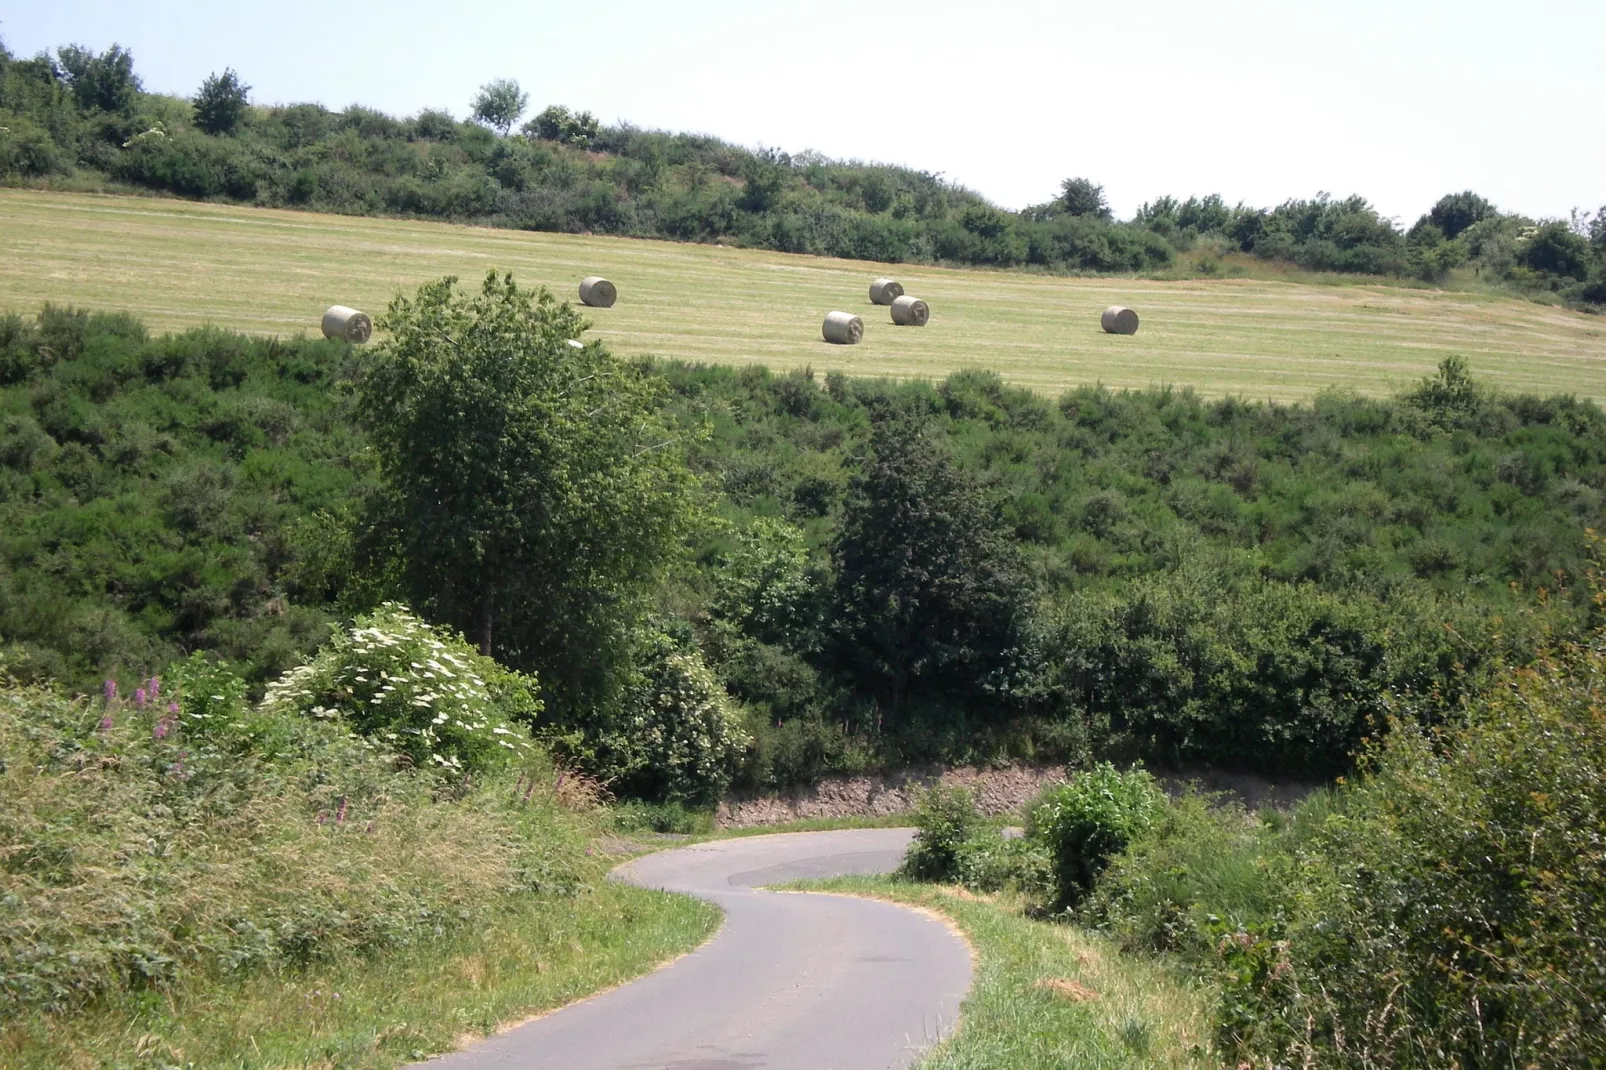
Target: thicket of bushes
78	110
1443	908
874	573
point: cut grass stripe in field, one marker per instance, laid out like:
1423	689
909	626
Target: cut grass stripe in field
178	264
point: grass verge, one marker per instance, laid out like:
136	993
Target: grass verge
367	1014
1048	995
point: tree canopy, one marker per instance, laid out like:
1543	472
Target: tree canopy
532	493
499	104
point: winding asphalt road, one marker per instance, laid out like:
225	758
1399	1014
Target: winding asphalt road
791	982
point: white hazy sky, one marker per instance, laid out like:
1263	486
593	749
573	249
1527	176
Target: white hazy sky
1259	100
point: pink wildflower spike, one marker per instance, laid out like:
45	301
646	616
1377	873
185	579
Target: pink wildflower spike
160	731
139	698
172	707
106	723
154	687
110	689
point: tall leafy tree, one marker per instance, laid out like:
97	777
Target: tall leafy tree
221	102
499	104
931	592
534	493
104	80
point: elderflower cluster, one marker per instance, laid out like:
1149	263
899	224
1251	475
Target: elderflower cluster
420	689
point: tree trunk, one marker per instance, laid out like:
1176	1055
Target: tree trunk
487	605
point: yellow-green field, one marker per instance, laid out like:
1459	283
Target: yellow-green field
178	264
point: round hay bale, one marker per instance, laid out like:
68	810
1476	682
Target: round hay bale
597	292
843	328
1118	319
885	291
342	322
910	312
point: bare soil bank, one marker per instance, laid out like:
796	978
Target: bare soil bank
997	790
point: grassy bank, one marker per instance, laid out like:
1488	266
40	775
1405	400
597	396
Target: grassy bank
181	264
1049	995
189	881
366	1015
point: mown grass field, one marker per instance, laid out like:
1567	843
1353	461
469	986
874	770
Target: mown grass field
178	264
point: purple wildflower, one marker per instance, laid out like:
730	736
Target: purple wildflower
172	707
111	690
139	698
161	729
154	687
106	723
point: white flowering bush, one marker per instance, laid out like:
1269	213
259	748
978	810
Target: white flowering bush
420	689
677	736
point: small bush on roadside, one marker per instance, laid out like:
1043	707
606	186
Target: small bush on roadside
1085	823
945	819
1203	863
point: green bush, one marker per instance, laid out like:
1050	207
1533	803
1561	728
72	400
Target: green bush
677	736
1085	823
1203	866
945	819
421	690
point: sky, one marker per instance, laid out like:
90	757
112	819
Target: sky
1400	101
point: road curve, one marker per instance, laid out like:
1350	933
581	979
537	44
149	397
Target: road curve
791	982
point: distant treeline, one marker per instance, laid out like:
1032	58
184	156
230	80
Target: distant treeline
79	113
879	572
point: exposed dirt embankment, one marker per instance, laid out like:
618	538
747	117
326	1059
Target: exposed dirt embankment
996	790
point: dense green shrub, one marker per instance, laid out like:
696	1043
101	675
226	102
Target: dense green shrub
1203	867
1085	823
1453	910
422	690
945	818
677	736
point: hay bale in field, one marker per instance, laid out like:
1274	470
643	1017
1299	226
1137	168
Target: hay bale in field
843	328
598	292
910	312
342	322
885	291
1118	319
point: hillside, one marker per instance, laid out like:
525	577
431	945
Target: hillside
180	264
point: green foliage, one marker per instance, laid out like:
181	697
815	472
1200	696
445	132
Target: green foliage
143	850
423	691
499	104
1450	911
1553	249
1455	212
149	488
931	596
102	81
533	495
1204	867
557	123
676	736
1083	197
945	818
221	102
1085	823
